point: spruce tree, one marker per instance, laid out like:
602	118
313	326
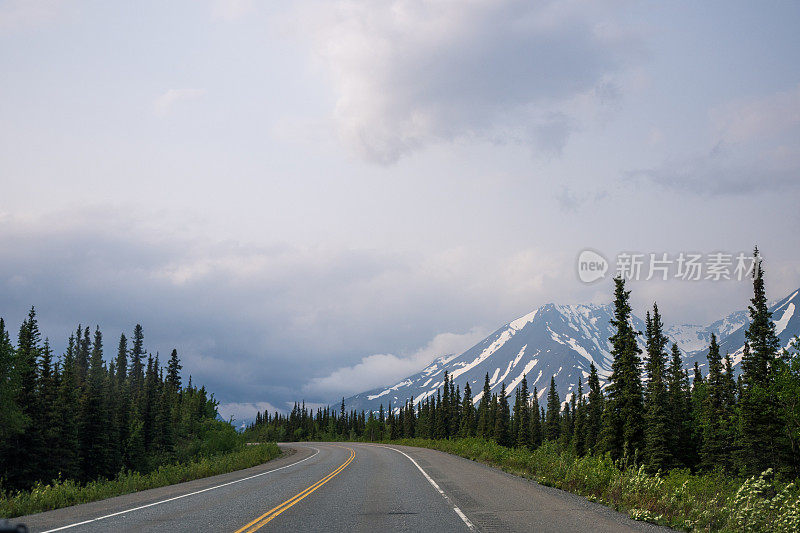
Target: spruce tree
678	408
455	408
137	363
84	347
535	421
697	400
493	412
467	414
121	365
714	443
623	427
112	405
93	416
12	419
787	393
579	437
501	425
523	436
48	396
760	438
552	428
595	409
483	409
658	453
67	419
26	449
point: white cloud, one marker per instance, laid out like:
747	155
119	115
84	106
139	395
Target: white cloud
384	369
166	101
232	9
245	411
410	73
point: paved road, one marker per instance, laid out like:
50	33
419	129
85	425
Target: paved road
336	487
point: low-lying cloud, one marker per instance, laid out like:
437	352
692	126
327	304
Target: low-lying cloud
385	369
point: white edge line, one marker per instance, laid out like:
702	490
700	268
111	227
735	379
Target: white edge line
316	451
458	511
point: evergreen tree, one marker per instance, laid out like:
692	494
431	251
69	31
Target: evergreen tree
697	400
760	438
122	360
523	436
121	407
48	391
113	453
787	394
137	362
12	419
579	436
26	449
93	417
658	453
443	421
501	425
535	421
483	410
552	428
595	409
623	427
67	421
174	372
493	412
455	408
84	346
714	445
468	421
679	405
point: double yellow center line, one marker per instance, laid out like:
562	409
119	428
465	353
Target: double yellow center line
265	518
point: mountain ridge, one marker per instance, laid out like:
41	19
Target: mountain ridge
562	341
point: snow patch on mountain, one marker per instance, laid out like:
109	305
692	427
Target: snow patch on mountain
781	324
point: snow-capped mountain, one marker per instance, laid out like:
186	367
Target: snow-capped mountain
785	315
562	341
691	337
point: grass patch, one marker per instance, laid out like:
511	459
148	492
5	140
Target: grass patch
66	493
679	499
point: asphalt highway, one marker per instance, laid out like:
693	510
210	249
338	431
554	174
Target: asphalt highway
343	487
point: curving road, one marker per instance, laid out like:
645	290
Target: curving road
337	487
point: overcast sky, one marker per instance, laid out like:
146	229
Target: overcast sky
309	199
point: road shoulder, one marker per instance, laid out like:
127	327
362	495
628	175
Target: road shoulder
86	511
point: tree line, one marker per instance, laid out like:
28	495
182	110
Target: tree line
82	418
650	413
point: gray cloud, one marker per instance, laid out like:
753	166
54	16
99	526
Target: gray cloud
725	171
258	323
413	73
757	149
